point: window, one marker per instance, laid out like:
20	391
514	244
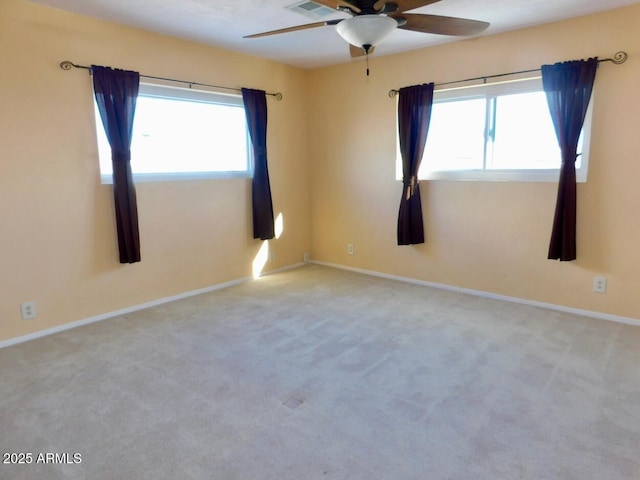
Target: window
180	133
497	132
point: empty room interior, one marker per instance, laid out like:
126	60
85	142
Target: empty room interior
337	343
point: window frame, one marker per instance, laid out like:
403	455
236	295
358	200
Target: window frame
159	90
521	85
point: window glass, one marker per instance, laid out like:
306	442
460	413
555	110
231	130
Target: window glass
524	136
501	131
456	139
181	133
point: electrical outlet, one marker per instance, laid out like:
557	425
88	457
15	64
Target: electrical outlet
600	284
305	257
28	310
272	257
350	249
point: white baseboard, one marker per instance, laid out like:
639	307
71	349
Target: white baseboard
480	293
123	311
135	308
285	268
442	286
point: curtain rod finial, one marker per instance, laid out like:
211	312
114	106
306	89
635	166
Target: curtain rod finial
620	57
66	65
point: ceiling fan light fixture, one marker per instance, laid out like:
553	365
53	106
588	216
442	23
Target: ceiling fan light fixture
366	29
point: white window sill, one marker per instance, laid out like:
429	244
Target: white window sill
502	175
107	179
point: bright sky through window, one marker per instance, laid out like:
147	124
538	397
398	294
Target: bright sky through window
501	131
182	133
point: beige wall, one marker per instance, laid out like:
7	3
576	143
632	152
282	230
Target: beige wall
57	241
332	170
487	236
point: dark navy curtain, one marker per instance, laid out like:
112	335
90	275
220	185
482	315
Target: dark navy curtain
568	86
414	114
116	93
255	106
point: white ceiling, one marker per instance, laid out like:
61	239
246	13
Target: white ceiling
223	23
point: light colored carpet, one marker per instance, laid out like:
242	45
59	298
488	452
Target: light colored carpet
318	373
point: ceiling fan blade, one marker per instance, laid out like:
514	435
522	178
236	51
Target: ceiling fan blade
358	51
294	29
406	5
440	25
335	4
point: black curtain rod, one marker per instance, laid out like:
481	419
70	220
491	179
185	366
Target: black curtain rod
618	58
67	65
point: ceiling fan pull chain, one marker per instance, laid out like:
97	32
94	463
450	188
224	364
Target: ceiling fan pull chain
366	48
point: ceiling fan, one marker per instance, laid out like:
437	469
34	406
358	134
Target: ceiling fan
372	20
